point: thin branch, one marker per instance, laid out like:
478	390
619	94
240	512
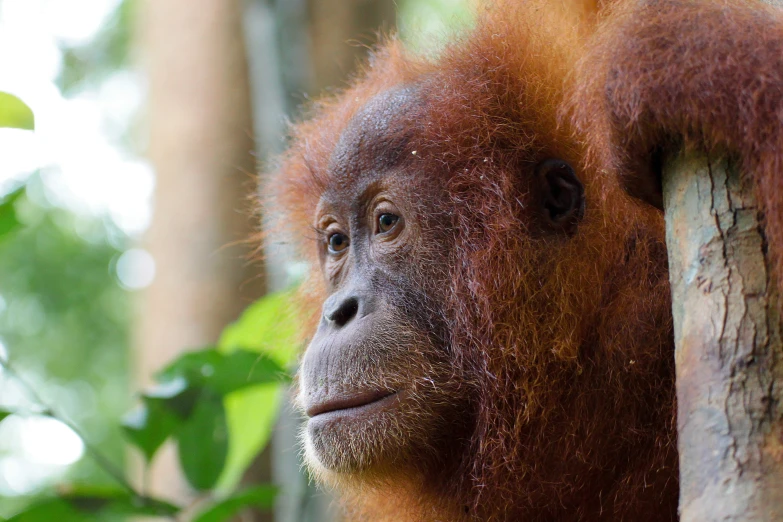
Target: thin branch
107	465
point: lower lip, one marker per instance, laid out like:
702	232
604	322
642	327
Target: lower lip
358	412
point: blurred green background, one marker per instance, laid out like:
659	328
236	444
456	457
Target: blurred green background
151	117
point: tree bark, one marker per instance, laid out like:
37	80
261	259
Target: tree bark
201	146
728	345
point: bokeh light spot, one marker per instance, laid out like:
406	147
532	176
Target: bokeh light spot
136	269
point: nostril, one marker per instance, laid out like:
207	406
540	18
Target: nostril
346	311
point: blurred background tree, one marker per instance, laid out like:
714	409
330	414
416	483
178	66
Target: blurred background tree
219	79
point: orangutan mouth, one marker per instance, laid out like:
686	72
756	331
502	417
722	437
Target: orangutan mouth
353	404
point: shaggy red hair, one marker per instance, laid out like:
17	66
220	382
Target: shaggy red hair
567	342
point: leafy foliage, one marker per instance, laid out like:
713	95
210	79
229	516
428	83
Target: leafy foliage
269	327
94	505
50	274
65	317
218	404
196	383
223	398
190	405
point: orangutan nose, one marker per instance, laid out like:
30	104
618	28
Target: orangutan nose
339	310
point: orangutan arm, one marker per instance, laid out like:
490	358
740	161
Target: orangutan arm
707	74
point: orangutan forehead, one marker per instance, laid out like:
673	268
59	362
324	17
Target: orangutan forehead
376	137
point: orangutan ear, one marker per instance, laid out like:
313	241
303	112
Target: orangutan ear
562	196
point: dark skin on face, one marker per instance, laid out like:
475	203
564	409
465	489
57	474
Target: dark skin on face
378	381
373	367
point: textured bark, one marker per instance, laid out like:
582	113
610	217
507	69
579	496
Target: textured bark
201	146
728	345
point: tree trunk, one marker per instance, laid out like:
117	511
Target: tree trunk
201	146
728	345
341	31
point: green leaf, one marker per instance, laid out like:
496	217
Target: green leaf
251	415
203	442
241	369
8	218
262	497
163	410
148	426
97	500
14	113
176	395
243	392
193	367
223	373
168	408
93	504
48	510
269	326
5	414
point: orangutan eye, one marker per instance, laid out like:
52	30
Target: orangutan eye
386	222
337	243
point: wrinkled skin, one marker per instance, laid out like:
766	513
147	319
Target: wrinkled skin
379	362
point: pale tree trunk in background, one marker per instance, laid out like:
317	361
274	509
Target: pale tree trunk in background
201	146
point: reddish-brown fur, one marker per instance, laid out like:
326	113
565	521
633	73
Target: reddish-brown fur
705	74
565	340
